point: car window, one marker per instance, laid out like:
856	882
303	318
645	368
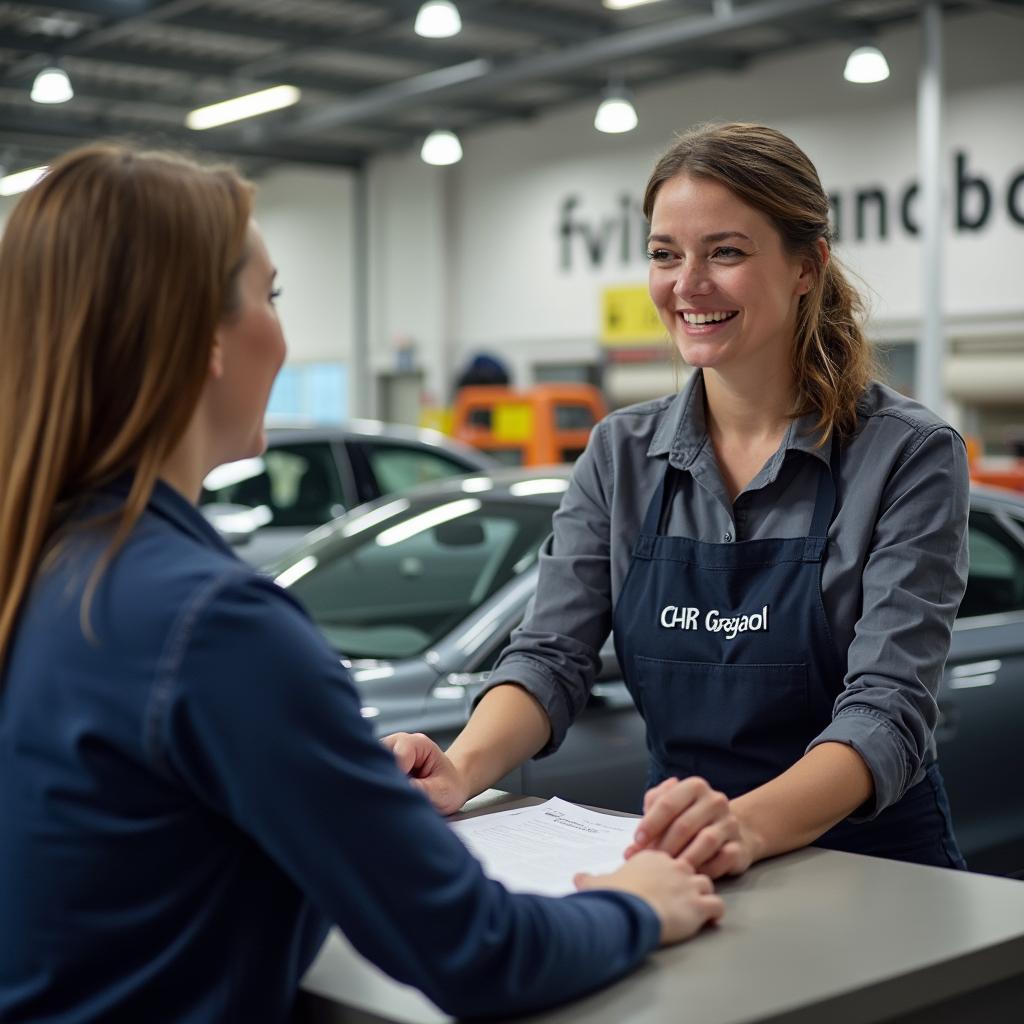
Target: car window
395	588
298	483
995	583
397	467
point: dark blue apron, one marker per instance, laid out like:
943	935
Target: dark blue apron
728	655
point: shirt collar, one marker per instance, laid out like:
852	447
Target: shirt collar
682	432
176	509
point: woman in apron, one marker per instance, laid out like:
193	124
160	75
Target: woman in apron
780	549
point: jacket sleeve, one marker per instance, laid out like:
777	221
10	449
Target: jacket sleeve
913	580
261	721
554	654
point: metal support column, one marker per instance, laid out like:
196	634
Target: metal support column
360	386
931	347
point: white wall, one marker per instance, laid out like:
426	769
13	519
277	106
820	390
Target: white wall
306	217
514	296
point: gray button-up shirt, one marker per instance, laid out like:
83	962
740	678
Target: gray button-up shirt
894	572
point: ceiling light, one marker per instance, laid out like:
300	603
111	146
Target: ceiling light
12	184
52	85
441	148
438	19
616	113
240	107
621	5
866	64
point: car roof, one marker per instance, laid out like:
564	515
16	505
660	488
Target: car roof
544	484
291	431
502	482
999	497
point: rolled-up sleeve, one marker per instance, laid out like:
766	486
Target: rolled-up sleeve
554	654
913	580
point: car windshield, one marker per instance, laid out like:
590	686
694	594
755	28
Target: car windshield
391	582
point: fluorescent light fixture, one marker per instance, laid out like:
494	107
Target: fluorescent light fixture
52	85
427	520
254	103
12	184
622	5
441	148
615	114
438	19
865	65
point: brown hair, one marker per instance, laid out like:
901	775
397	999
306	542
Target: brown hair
832	359
115	270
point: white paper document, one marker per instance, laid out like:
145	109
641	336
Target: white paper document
539	849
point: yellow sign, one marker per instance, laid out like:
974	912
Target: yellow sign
628	317
512	422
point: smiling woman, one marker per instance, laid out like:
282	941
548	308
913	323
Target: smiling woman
780	549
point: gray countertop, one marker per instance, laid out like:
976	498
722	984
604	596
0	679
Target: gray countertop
814	936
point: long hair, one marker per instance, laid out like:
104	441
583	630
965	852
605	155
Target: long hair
832	359
115	270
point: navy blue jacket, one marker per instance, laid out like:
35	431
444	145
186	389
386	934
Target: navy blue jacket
191	797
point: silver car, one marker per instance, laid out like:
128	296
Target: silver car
310	474
421	591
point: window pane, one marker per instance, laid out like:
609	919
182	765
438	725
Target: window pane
396	598
397	468
298	483
995	583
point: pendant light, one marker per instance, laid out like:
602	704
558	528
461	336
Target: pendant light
865	65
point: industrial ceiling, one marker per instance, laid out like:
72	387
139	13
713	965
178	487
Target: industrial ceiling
368	83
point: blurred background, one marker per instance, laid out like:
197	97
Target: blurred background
518	251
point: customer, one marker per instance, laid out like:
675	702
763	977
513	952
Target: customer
781	549
188	793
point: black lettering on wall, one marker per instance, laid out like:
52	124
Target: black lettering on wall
909	196
565	230
865	197
626	222
596	242
835	206
1015	199
966	184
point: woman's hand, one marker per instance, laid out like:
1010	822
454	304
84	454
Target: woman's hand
683	900
690	820
429	769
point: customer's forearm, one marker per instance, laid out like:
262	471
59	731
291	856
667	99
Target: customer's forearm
508	727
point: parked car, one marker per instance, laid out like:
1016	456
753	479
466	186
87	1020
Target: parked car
421	591
310	474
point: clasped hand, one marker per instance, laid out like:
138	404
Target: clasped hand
689	820
683	899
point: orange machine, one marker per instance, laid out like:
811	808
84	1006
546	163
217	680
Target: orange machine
542	425
994	470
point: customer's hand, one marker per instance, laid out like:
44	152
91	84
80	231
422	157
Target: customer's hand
683	900
690	820
429	769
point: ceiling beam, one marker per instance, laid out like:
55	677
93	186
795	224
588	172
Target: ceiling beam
236	144
556	25
482	76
